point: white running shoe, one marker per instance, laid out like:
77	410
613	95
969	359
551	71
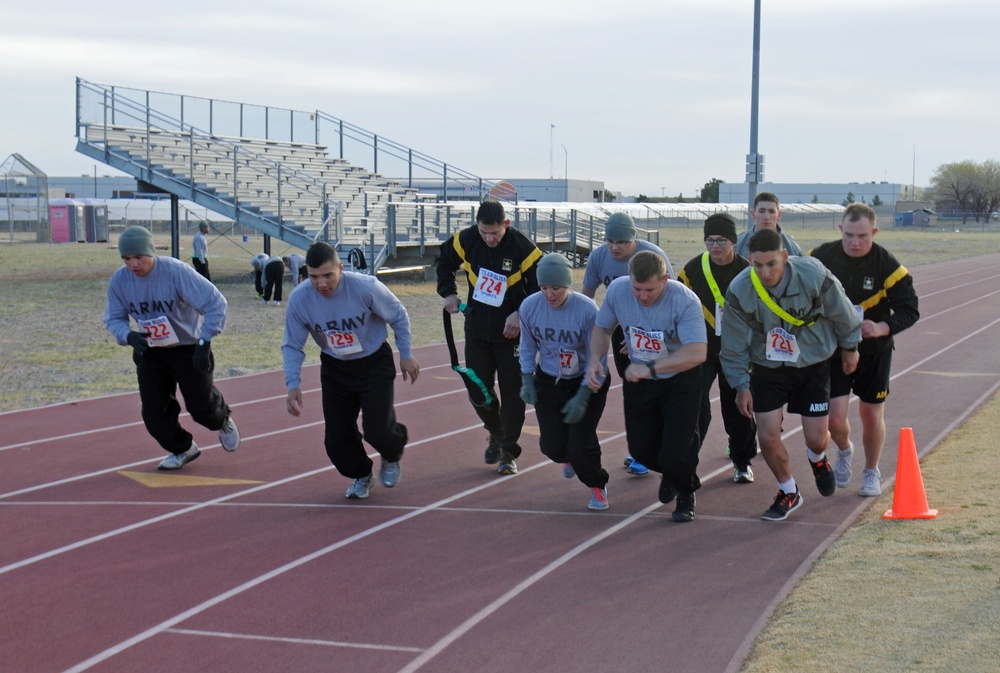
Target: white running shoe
871	486
842	471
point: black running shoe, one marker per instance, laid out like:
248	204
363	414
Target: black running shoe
784	504
685	508
826	482
667	492
492	455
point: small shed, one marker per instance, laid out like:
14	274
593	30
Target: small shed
920	217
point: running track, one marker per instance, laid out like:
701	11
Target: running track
255	561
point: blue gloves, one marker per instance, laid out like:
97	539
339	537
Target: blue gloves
574	410
528	393
202	358
138	342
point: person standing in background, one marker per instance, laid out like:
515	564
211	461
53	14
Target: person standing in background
295	263
274	274
199	254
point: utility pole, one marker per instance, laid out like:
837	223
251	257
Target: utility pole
552	128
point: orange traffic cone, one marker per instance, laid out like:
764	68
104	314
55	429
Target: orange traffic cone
909	500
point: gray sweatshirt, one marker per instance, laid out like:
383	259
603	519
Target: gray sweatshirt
193	307
348	325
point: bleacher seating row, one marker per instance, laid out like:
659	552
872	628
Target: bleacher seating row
271	177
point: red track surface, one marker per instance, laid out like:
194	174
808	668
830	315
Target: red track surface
456	569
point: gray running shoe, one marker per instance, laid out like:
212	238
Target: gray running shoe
360	488
508	464
229	436
843	468
388	473
568	471
871	486
176	461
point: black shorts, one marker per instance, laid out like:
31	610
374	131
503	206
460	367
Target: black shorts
805	390
870	381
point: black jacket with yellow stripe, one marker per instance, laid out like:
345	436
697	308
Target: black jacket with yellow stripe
515	257
877	283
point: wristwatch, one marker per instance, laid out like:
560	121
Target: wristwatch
652	368
852	349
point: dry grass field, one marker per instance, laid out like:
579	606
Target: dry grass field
887	596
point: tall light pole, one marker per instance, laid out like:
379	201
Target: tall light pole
552	128
754	160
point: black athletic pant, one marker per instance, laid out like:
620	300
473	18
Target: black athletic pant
661	422
621	359
742	431
364	385
160	372
273	275
499	360
201	266
576	444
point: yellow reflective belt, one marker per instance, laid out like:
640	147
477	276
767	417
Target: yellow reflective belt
770	303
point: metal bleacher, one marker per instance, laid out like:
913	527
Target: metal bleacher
229	158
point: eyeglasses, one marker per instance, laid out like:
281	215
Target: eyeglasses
618	243
716	242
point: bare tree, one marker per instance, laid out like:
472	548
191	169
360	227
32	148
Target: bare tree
953	186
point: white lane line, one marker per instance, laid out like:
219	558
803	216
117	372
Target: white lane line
294	641
187	510
277	572
526	584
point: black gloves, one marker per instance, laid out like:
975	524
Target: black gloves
138	342
202	358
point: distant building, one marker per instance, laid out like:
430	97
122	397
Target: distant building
526	190
819	192
92	187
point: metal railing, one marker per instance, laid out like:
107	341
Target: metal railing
194	163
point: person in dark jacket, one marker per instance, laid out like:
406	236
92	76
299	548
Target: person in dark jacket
500	267
882	292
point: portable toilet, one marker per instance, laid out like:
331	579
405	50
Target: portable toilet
63	219
96	216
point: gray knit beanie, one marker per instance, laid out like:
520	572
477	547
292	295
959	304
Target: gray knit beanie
619	227
136	241
554	269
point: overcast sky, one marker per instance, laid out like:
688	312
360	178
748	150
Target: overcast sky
650	96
